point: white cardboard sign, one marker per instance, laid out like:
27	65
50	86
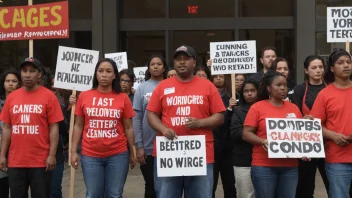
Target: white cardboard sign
233	57
339	24
120	59
184	156
139	72
75	68
294	138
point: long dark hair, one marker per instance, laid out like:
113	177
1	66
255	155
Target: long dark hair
329	76
267	80
249	81
308	60
163	60
115	83
2	81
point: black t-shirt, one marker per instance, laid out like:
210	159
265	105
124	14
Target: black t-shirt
312	93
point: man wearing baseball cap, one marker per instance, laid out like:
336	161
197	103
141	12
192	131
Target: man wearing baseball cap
30	134
205	113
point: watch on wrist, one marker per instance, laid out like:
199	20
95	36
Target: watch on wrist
229	108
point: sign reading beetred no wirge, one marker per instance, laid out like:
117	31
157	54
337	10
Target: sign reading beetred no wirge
42	21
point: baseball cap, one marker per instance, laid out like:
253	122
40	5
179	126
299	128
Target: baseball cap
31	60
189	51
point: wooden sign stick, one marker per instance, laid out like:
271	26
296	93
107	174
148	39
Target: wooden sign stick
233	85
72	170
348	46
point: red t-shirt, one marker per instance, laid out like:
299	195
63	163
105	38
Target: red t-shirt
256	118
30	114
334	107
176	101
103	132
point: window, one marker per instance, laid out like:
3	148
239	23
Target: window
201	8
266	8
143	8
323	4
200	40
141	45
324	48
282	40
80	9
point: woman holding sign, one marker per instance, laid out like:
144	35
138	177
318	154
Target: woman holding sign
271	177
333	106
104	117
304	96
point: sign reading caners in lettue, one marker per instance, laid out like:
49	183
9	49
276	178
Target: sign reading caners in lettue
339	24
233	57
75	68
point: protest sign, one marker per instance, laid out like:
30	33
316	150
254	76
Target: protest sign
42	21
232	57
120	59
139	72
339	24
184	156
294	138
75	68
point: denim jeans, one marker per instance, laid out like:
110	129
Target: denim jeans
105	177
274	182
193	186
339	176
58	172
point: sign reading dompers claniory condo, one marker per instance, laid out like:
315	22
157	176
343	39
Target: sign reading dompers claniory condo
42	21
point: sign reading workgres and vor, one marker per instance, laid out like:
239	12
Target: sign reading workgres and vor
294	138
42	21
339	24
75	68
184	156
232	57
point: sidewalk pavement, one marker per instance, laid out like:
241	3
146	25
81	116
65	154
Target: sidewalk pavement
134	187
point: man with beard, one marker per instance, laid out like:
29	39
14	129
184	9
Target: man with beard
267	56
30	134
206	112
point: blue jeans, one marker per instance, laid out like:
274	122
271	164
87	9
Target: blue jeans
274	182
339	176
105	177
194	186
58	173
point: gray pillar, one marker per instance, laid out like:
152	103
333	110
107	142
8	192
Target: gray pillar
110	26
97	26
305	34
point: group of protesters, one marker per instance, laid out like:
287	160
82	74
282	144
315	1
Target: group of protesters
112	120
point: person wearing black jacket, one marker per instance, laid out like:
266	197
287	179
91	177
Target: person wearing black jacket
304	96
242	150
222	144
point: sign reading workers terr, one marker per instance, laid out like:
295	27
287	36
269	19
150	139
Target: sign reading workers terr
238	57
184	156
339	24
75	68
294	138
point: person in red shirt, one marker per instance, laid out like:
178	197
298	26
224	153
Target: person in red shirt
30	134
333	106
104	119
271	177
206	113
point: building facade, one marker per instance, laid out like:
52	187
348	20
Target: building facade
297	28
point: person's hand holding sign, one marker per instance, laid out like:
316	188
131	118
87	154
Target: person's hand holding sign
169	134
209	63
265	145
193	123
232	103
